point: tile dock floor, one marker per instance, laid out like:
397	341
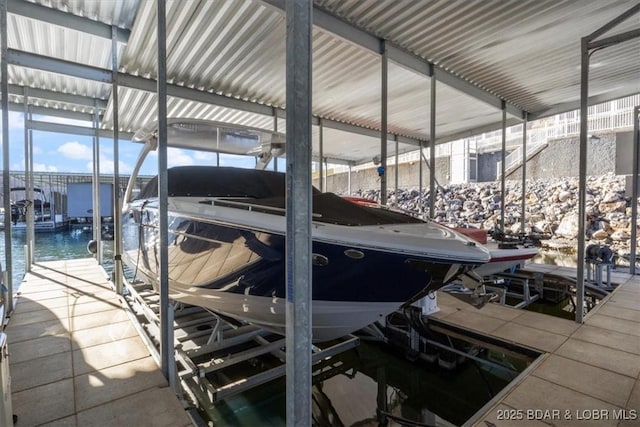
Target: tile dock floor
589	373
75	357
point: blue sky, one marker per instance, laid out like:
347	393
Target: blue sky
56	152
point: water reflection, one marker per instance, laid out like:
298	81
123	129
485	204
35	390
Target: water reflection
560	259
372	386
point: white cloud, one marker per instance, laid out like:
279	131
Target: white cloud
176	157
16	120
205	156
75	150
106	166
41	167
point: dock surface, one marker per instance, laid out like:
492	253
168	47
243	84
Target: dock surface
75	357
588	374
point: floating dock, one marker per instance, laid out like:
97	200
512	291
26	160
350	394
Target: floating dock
76	358
588	374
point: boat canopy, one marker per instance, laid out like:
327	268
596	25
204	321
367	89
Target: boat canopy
252	188
218	181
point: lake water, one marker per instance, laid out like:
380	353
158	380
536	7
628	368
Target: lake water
50	247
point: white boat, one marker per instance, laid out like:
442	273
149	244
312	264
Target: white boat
505	255
44	220
227	242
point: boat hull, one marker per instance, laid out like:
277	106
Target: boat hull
330	319
505	259
239	271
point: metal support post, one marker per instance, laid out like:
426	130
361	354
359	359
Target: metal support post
420	181
97	217
432	147
382	169
634	190
167	355
275	129
6	185
117	210
503	192
524	174
349	181
582	184
52	202
31	229
321	156
590	44
28	184
298	235
326	168
396	170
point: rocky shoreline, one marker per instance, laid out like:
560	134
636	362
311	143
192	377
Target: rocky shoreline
551	209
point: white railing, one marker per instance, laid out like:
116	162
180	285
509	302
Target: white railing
608	116
611	116
514	159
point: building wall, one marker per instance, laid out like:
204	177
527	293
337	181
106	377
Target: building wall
561	158
624	153
408	174
487	166
558	159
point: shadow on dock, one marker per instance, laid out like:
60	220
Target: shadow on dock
75	357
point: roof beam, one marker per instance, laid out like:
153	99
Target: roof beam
60	113
618	38
613	23
65	20
51	95
59	66
476	92
476	131
374	133
150	85
593	100
51	112
365	40
74	130
53	65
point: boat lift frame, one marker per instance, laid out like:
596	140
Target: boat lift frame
207	344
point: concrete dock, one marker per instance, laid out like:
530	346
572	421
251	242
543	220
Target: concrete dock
77	360
75	357
588	374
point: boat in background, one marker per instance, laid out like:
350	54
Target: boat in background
45	219
505	255
227	241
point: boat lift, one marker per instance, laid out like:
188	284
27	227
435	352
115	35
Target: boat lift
214	353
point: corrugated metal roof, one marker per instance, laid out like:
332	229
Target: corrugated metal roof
50	40
146	105
524	51
120	13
